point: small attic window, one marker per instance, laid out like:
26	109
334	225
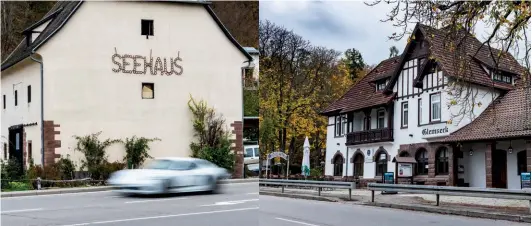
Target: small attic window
500	77
381	85
146	28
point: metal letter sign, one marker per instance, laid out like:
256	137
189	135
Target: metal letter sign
277	154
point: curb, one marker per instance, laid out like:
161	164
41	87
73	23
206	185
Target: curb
95	189
466	213
306	197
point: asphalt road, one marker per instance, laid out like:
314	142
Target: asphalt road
295	212
237	204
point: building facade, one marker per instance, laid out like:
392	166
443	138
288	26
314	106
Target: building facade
410	106
123	68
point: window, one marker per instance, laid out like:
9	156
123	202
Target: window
358	170
404	154
381	85
257	153
338	165
380	119
435	107
16	97
499	77
30	151
148	91
422	159
29	94
350	122
404	114
5	150
344	124
521	162
147	28
382	164
182	165
4	101
248	153
442	161
338	126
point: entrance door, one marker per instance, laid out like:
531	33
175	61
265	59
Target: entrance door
15	146
499	170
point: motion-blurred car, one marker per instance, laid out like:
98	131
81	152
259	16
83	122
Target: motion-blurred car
169	175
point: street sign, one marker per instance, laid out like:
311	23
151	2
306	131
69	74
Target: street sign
525	180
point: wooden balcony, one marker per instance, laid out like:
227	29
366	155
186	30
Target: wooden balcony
370	136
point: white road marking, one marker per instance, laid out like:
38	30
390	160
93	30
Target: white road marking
227	203
252	193
153	200
164	216
297	222
19	211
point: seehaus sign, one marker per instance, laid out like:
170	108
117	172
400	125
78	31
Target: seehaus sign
137	64
435	132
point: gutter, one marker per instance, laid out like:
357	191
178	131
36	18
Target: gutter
42	104
242	119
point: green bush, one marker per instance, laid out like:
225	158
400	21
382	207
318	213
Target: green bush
94	151
108	168
66	168
316	172
19	186
137	150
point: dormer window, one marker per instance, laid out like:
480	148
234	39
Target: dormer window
381	85
499	77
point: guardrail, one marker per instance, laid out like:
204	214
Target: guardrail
451	191
306	183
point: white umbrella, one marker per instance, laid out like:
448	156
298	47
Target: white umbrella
305	164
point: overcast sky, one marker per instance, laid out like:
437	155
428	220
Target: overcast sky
340	25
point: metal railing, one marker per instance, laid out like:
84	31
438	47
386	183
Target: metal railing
451	191
306	183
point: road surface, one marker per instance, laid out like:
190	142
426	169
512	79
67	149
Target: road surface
236	205
296	212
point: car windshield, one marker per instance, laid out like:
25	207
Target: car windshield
248	153
158	164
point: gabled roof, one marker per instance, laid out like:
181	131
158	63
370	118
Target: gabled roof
447	59
62	11
506	117
363	94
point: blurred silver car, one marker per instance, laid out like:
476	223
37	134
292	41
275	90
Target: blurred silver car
169	175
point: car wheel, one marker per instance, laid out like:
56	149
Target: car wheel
165	186
214	185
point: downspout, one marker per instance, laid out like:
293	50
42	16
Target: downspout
242	95
42	105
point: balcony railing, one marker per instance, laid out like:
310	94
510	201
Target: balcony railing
370	136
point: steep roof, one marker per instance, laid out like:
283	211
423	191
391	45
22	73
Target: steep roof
62	11
362	94
506	117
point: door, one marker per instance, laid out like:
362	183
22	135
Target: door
15	146
183	177
499	171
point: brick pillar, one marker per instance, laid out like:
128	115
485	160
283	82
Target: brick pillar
528	160
489	177
24	150
451	181
50	142
238	149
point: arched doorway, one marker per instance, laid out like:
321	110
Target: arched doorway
338	164
358	162
499	169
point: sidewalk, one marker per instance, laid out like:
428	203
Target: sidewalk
514	210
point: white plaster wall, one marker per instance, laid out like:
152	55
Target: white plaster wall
514	180
18	78
475	165
333	145
84	96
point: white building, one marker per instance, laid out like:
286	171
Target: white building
123	68
400	109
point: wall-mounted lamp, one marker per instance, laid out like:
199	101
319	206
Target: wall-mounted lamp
411	135
510	149
470	152
338	144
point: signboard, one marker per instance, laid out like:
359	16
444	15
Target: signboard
277	154
369	155
405	170
388	178
137	64
436	131
525	180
